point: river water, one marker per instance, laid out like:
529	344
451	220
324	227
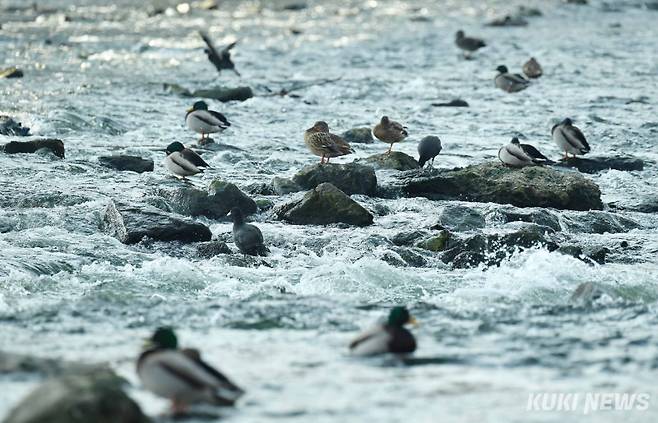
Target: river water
491	335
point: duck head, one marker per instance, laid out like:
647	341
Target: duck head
163	338
459	34
385	120
319	126
236	215
515	140
502	69
399	316
174	147
567	122
199	105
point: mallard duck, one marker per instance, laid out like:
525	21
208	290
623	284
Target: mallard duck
247	237
468	44
389	132
569	138
428	148
204	121
325	144
516	154
510	82
182	161
181	375
532	68
391	337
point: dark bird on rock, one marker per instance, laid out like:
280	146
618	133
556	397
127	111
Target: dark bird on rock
391	337
222	59
569	138
516	154
468	44
389	132
510	82
428	148
182	161
247	237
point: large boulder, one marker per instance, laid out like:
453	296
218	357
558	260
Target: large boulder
12	362
325	205
540	217
358	136
9	126
215	203
130	163
351	178
130	225
598	164
533	186
225	94
95	396
395	160
54	145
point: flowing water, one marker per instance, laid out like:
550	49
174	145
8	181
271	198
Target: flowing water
490	336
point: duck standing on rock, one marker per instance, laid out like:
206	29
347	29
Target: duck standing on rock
569	138
204	121
323	143
247	237
391	337
428	148
468	44
389	132
510	82
182	161
181	375
516	154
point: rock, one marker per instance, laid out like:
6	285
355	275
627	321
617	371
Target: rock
649	205
508	20
540	217
211	249
598	164
452	103
294	6
176	90
358	136
12	363
283	186
130	163
130	225
599	222
325	205
403	257
351	178
95	396
460	219
407	238
259	188
215	203
579	2
436	243
54	145
395	160
467	260
9	126
492	182
11	72
224	94
528	12
264	204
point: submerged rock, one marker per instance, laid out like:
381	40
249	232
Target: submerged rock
95	396
130	225
351	178
599	222
407	238
492	182
508	20
325	205
395	160
460	219
598	164
11	72
452	103
540	217
130	163
215	203
358	136
54	145
224	94
9	126
211	249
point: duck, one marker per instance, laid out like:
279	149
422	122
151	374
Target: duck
532	68
204	121
389	132
323	143
181	375
516	154
390	337
468	44
428	148
569	138
182	161
510	82
247	237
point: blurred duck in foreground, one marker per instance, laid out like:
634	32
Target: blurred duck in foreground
391	337
389	132
516	154
322	143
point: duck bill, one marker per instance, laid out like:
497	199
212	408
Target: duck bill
190	110
147	344
413	321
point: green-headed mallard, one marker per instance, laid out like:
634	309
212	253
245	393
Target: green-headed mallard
182	161
323	143
510	82
204	121
389	132
569	138
181	376
391	337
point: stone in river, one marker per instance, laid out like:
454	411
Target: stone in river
351	178
130	163
54	145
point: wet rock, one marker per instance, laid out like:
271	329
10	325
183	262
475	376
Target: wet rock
259	188
436	243
599	222
283	186
407	238
224	94
211	249
11	72
130	225
395	160
579	2
468	259
540	217
325	205
358	136
528	12
649	205
508	20
264	204
460	218
351	178
598	164
12	363
176	90
95	396
215	203
54	145
492	182
129	163
452	103
9	126
294	6
403	257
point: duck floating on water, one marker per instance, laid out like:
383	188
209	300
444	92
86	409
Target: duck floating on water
323	143
181	375
390	132
182	161
391	337
510	82
516	154
204	121
569	138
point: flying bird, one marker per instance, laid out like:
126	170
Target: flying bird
222	59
